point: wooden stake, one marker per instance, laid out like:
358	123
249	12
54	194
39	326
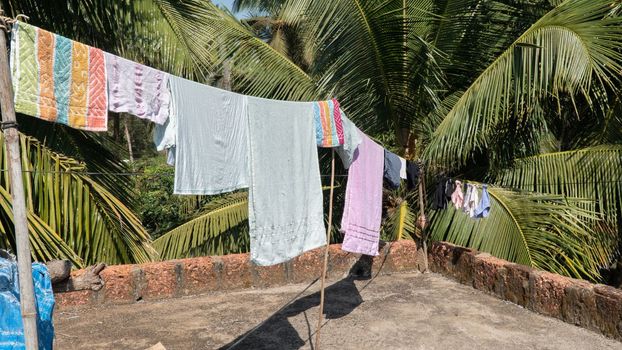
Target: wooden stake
11	139
330	225
422	219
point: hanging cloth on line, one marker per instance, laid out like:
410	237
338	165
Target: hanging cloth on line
57	79
471	200
392	169
137	89
363	204
210	140
440	200
449	189
457	197
403	174
352	140
285	196
483	208
467	198
328	124
412	174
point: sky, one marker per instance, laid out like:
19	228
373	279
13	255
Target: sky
228	3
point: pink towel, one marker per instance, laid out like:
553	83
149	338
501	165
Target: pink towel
137	89
363	207
457	198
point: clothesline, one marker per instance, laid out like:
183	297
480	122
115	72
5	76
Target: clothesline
95	173
117	174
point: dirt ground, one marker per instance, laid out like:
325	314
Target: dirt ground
401	311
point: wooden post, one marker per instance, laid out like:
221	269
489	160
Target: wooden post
423	222
330	225
11	140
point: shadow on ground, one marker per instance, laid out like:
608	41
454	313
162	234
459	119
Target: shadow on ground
276	332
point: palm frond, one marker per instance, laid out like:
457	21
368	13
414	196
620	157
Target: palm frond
211	232
594	173
102	158
548	232
173	36
359	50
45	243
400	222
568	50
258	69
69	210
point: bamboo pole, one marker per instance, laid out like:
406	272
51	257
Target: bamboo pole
330	225
11	139
422	219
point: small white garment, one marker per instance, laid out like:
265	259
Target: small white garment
285	194
210	139
403	168
473	201
467	197
352	140
165	136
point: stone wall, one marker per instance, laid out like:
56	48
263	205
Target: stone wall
593	306
176	278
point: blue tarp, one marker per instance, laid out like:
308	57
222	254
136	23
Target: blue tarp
11	329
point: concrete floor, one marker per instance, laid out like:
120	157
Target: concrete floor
402	311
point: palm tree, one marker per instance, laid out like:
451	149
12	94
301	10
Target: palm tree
519	94
81	203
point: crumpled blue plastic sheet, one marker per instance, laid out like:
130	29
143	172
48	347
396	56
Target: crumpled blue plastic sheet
11	328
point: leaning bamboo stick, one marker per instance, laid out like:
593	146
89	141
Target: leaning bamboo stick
330	225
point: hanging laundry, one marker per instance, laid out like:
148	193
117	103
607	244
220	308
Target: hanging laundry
137	89
457	197
164	137
285	195
412	175
483	208
328	123
403	168
440	201
210	138
392	169
471	200
449	189
57	79
363	204
467	198
352	140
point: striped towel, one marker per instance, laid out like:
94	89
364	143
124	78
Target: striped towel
57	79
328	125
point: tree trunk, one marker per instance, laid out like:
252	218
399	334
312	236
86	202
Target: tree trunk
225	80
129	141
116	126
59	270
88	280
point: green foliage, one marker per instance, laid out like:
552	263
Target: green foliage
593	173
548	232
216	231
159	209
71	216
572	49
468	85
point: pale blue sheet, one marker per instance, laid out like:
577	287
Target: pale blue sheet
285	194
